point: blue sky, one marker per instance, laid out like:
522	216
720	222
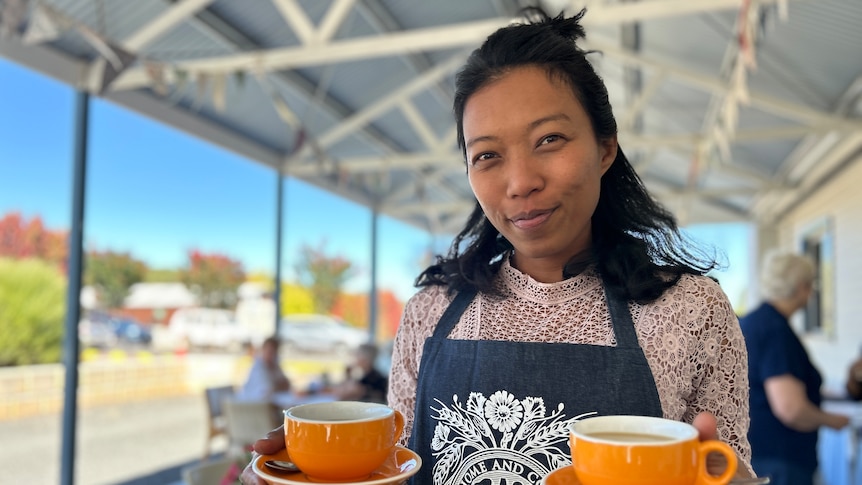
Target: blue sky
156	193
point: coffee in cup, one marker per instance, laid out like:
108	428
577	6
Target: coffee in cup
341	440
641	450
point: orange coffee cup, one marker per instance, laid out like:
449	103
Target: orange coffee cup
341	440
640	450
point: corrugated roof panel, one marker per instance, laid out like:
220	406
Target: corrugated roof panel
188	40
814	55
399	130
766	157
690	42
414	15
260	20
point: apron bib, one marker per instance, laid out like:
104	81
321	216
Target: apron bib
497	413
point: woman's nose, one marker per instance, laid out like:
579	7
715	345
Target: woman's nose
523	176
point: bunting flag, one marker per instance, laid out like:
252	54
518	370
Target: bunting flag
201	84
43	27
156	72
722	143
219	92
12	15
729	115
112	71
740	84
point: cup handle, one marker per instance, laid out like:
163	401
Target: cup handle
703	476
399	425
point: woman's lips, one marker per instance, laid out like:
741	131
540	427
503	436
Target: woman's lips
531	219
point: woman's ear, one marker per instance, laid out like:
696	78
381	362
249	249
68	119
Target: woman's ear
608	149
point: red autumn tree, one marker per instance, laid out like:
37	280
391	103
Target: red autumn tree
20	238
214	278
390	310
354	308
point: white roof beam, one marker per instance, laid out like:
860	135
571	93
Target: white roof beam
363	117
339	51
435	38
333	19
417	121
634	109
297	19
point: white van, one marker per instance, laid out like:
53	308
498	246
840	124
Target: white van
200	328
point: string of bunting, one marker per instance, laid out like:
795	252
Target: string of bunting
749	21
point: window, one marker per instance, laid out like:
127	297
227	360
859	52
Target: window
818	244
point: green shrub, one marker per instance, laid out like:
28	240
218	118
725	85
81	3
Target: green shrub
32	307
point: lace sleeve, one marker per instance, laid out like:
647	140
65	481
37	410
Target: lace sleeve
720	361
421	314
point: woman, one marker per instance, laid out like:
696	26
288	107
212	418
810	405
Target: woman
568	292
785	385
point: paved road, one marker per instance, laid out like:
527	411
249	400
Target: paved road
132	443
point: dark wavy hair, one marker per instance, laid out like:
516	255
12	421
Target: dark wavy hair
637	247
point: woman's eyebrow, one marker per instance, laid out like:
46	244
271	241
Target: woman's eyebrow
548	119
532	125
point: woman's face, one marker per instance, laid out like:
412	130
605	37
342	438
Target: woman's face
535	166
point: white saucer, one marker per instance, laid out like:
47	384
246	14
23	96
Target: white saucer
401	465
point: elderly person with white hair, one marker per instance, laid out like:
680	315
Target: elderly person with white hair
785	385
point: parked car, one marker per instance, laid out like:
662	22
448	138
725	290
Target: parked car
214	328
314	332
101	329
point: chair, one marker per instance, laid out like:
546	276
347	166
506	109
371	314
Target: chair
207	473
215	397
247	421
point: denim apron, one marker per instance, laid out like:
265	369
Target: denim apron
496	412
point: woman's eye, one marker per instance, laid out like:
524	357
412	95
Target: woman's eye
482	156
549	139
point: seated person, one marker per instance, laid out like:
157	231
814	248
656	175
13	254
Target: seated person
371	385
266	381
266	378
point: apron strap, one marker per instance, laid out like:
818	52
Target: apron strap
621	319
453	313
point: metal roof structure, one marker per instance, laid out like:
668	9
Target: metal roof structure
730	110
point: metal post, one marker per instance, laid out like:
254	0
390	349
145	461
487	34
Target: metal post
372	296
73	292
278	216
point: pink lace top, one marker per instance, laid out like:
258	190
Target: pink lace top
690	336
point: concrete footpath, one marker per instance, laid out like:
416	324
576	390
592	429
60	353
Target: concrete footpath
136	443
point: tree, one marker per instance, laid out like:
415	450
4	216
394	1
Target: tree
20	238
214	278
32	306
112	274
354	308
324	275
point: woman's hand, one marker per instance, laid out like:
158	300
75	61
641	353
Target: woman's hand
707	427
273	443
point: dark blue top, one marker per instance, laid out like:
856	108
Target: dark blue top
774	350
